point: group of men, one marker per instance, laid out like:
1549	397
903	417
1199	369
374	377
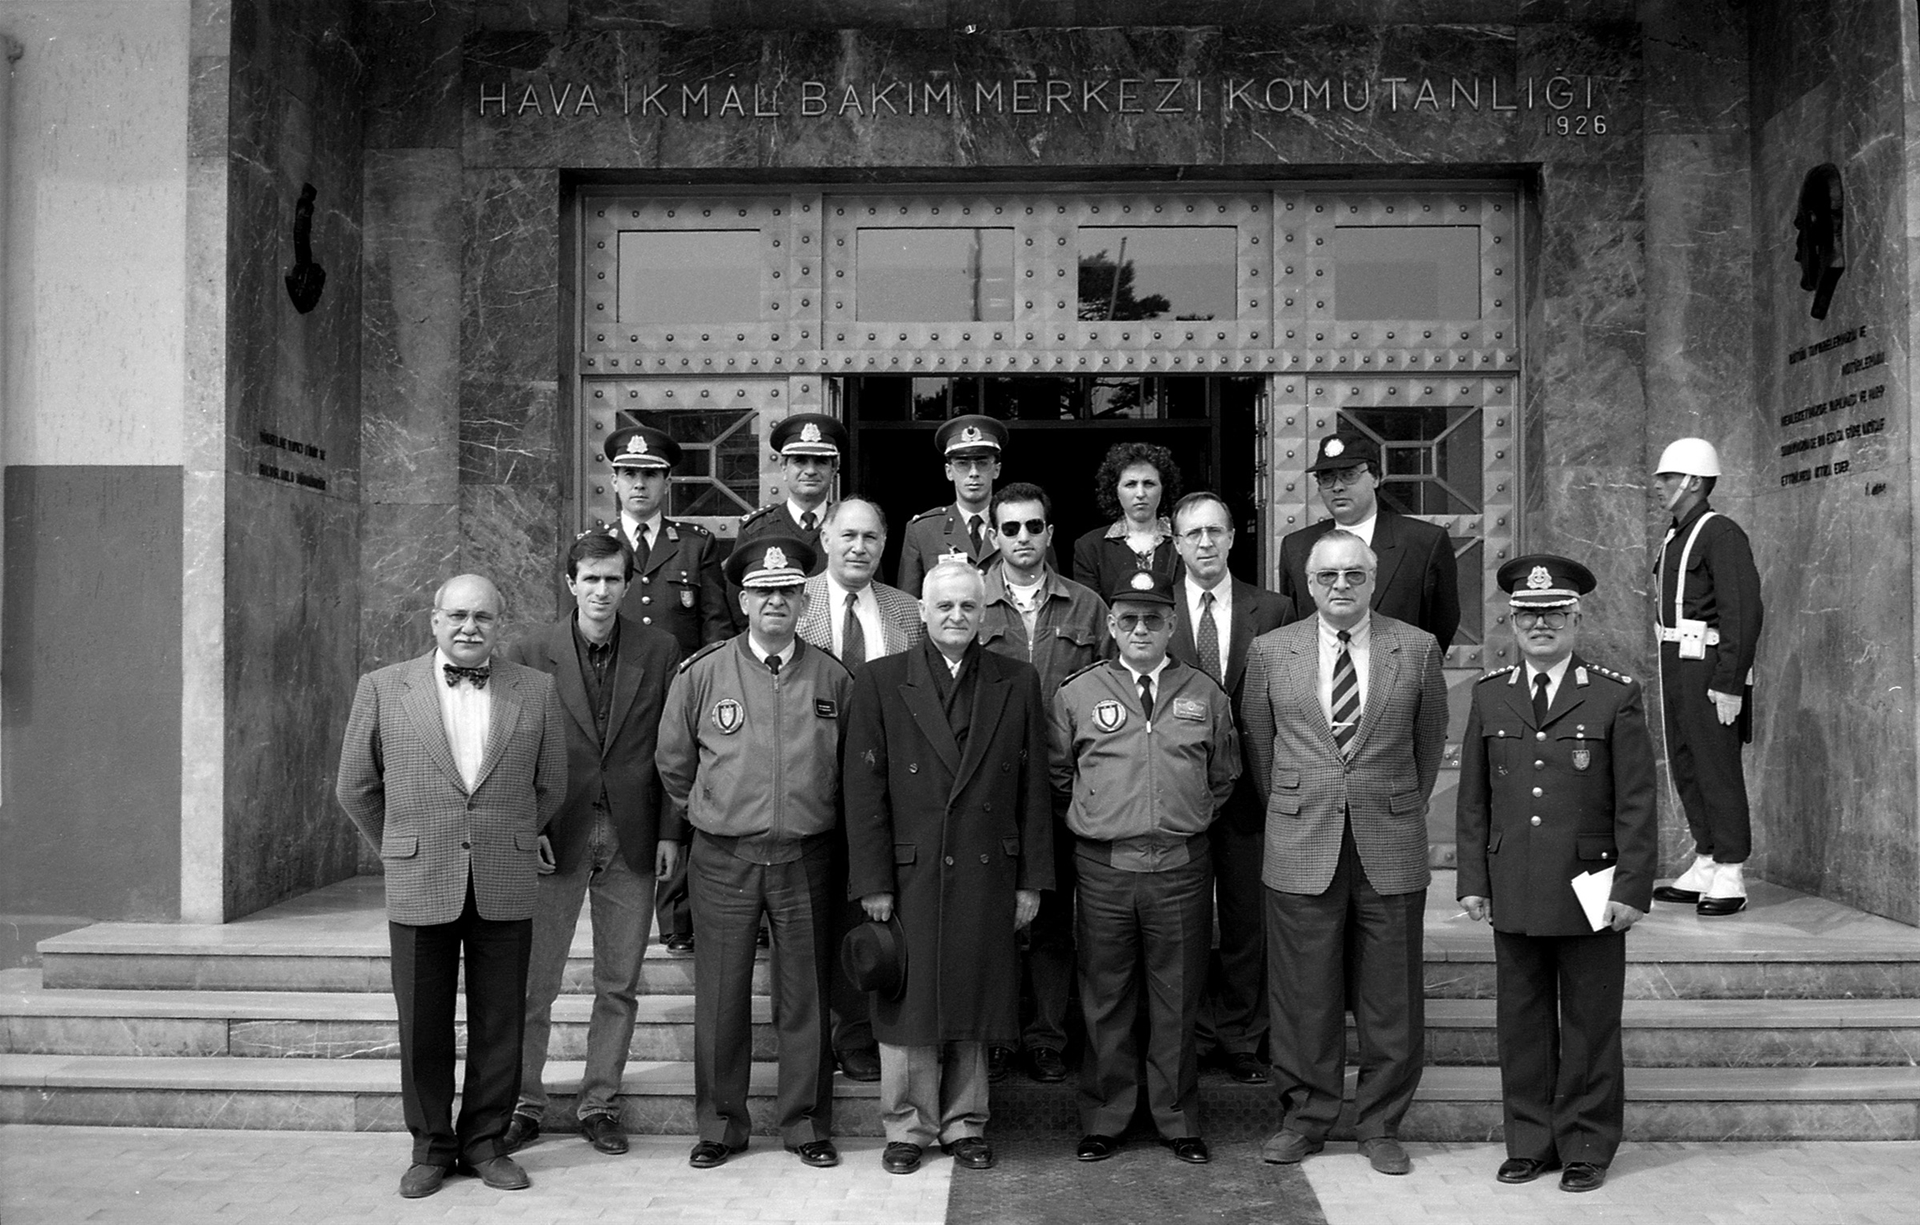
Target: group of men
888	787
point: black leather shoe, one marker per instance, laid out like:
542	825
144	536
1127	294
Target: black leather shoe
1386	1155
1713	907
1516	1170
1096	1147
680	944
522	1130
999	1059
502	1173
861	1065
970	1152
1045	1065
1677	897
820	1154
1289	1148
899	1157
710	1153
1246	1069
1190	1149
422	1180
1582	1176
604	1132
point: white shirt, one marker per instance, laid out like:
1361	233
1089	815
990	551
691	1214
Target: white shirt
1555	675
953	665
467	715
1222	613
819	513
866	606
1153	680
632	526
1026	601
1363	529
1359	647
786	656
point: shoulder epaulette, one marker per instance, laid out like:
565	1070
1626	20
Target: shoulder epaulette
1610	674
701	654
1079	672
929	514
1497	672
761	513
688	526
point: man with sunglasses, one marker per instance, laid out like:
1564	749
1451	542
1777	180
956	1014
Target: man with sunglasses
1417	581
1556	787
1034	614
1143	756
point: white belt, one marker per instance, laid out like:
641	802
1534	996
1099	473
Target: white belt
1669	634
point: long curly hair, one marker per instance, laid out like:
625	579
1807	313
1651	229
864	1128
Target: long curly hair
1124	455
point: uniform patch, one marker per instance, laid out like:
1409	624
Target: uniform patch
1187	708
728	716
1109	715
826	708
686	597
1582	758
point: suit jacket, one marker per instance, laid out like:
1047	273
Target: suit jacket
398	783
951	835
1254	612
677	587
900	623
1310	792
1541	802
1417	583
622	766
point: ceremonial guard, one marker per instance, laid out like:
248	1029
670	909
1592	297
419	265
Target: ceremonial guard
810	446
1556	838
1709	620
971	446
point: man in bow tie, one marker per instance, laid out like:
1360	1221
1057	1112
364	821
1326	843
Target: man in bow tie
453	763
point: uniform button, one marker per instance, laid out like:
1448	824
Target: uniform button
1539	765
983	859
1534	821
644	580
913	767
646	599
1537	793
646	620
986	807
1539	735
949	861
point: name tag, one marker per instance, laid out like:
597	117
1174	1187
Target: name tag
826	708
1187	708
954	555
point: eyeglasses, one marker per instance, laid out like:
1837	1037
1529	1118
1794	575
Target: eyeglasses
1331	578
1196	535
1342	476
461	616
1012	527
1153	623
1552	620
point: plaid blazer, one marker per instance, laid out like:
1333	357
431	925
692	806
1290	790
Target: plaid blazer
399	784
1309	792
900	623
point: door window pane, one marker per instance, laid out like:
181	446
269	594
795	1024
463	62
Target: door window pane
933	275
1406	272
1158	272
689	276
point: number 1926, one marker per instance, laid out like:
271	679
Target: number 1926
1576	125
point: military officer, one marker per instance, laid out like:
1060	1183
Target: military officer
1709	626
971	446
810	446
1556	789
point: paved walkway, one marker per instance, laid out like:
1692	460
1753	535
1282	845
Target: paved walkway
148	1176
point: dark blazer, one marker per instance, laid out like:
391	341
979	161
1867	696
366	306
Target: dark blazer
1589	783
624	764
951	836
399	784
678	587
1255	611
1418	582
1103	562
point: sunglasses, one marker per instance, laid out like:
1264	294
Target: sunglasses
1012	527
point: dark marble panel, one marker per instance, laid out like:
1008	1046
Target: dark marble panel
520	14
509	330
1575	81
510	533
1695	55
829	14
1797	44
406	551
509	433
412	96
640	14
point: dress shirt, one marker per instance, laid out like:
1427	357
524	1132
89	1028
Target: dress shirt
1360	638
786	656
866	606
1222	613
467	714
1153	677
1555	675
631	526
953	665
819	513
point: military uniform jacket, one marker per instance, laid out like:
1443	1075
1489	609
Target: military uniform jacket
774	520
1118	777
1538	805
678	587
936	534
1069	631
746	754
1722	589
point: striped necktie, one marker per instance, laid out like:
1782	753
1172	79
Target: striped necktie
1346	697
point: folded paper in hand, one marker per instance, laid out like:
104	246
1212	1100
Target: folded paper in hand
1594	889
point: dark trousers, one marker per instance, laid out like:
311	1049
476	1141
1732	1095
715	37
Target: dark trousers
1233	1014
1309	940
1561	1073
1143	946
670	906
426	973
1704	755
729	894
1048	961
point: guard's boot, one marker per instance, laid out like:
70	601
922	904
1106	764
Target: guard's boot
1727	894
1687	888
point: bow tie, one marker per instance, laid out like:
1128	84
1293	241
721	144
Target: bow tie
454	672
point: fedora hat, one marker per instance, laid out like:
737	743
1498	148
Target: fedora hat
874	955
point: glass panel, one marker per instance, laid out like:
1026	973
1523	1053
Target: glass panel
689	276
1431	456
719	469
1469	563
1406	272
1032	398
929	398
879	397
1183	397
1158	272
1119	399
933	275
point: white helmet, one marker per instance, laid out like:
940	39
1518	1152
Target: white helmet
1689	457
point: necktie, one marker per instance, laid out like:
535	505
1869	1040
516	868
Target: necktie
773	665
455	672
1346	697
973	532
1146	697
1539	699
853	639
807	521
1207	638
641	546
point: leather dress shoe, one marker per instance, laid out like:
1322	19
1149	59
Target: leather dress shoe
820	1154
1582	1176
1386	1155
899	1157
1289	1148
680	944
999	1060
1245	1068
1045	1065
501	1172
862	1065
1190	1149
1516	1170
422	1180
1677	897
971	1152
1096	1147
710	1153
522	1130
603	1131
1713	907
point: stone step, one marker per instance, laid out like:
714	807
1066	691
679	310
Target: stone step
1453	1104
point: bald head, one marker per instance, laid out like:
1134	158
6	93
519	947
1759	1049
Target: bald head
466	618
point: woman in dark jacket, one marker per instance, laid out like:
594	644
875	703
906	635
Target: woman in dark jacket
1135	481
